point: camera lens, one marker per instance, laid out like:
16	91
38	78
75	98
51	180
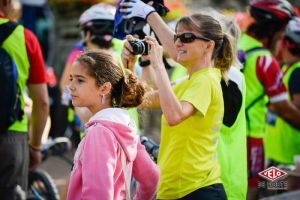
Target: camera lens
139	47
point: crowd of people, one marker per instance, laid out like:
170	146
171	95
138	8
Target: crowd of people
233	112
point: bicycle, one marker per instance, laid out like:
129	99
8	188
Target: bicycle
151	147
40	184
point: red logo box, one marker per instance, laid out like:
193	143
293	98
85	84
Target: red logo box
272	174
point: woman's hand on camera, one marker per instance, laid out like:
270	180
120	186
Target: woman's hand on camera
128	58
155	52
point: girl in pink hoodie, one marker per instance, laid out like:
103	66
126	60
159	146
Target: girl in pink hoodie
110	153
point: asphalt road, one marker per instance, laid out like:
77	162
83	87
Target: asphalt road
59	170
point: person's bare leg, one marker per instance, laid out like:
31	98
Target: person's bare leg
65	191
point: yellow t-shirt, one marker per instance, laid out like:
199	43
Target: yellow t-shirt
187	155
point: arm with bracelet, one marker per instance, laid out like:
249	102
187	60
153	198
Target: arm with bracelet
148	73
40	110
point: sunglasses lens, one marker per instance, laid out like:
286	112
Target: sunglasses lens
187	37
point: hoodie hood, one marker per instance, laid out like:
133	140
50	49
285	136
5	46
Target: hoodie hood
121	125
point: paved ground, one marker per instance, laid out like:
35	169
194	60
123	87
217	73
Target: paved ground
59	170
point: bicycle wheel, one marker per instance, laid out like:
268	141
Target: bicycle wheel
41	186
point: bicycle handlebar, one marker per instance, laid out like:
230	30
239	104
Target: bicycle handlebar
151	147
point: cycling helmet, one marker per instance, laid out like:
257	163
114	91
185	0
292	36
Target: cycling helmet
97	12
98	18
292	31
99	21
271	10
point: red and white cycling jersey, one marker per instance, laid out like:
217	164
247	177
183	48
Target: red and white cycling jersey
269	74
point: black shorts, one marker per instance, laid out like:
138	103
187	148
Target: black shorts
211	192
14	154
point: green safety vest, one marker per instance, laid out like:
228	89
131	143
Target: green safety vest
232	155
16	47
117	47
256	99
282	141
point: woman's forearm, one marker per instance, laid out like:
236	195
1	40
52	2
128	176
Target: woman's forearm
149	76
151	100
164	33
169	103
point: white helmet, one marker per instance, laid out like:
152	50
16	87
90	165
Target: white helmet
292	31
96	13
99	21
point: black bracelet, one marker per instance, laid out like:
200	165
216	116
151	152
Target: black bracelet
144	63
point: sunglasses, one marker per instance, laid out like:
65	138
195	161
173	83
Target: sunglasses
189	37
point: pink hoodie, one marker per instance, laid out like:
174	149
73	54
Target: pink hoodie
97	172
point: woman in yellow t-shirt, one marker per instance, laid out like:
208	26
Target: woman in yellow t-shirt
192	110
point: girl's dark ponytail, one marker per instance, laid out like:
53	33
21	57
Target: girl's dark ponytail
129	91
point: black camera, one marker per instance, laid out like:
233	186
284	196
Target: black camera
139	47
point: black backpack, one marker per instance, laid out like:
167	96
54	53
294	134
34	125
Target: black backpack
10	104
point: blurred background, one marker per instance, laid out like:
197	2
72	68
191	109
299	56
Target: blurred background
55	23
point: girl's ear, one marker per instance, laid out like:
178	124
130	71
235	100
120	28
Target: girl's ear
105	88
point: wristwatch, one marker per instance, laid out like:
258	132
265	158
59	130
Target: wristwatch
144	63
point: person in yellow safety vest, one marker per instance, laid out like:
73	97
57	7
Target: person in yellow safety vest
232	147
97	26
264	80
282	141
18	151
